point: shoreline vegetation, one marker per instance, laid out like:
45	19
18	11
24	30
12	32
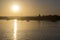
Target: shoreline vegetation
52	18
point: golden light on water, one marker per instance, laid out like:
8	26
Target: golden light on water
15	29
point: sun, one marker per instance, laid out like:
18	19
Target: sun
15	8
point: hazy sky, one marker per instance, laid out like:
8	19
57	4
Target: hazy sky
30	7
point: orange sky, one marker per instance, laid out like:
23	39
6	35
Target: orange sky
29	8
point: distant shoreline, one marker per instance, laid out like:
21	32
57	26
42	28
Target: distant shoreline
36	18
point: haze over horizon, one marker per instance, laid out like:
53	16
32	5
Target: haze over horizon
30	7
29	28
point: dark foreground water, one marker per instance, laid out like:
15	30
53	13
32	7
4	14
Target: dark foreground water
30	30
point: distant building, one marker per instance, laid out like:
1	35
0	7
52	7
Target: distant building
39	15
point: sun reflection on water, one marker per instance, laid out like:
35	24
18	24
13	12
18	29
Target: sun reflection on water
15	29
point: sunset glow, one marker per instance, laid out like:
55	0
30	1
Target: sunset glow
15	8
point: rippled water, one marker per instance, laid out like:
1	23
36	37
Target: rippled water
32	30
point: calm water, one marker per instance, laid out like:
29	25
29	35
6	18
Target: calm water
33	30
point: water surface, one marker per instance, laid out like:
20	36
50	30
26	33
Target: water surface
33	30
